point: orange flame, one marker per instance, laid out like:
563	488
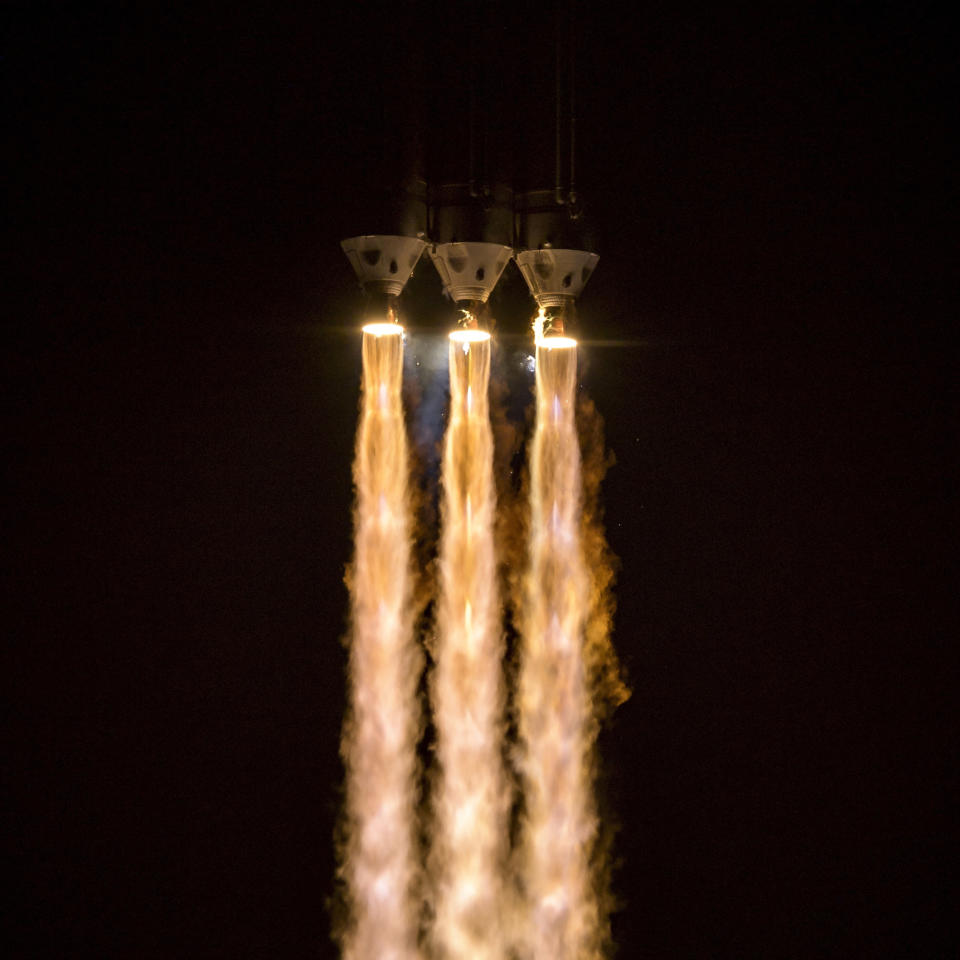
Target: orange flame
561	913
470	830
379	865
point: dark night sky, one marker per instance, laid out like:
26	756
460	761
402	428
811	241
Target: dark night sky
764	338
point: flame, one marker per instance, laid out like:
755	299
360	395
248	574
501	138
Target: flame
540	322
562	920
379	737
558	908
471	829
469	336
542	325
379	329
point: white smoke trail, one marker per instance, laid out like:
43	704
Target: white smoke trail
554	710
379	739
470	832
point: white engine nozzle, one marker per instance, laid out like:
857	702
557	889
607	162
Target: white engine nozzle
382	263
556	277
470	271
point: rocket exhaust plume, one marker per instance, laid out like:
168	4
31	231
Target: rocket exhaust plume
555	718
378	859
471	800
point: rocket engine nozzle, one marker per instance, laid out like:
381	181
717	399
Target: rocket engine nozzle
383	264
556	277
470	271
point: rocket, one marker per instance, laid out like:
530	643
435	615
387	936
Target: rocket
550	240
473	243
460	203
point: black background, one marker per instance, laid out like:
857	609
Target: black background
764	335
